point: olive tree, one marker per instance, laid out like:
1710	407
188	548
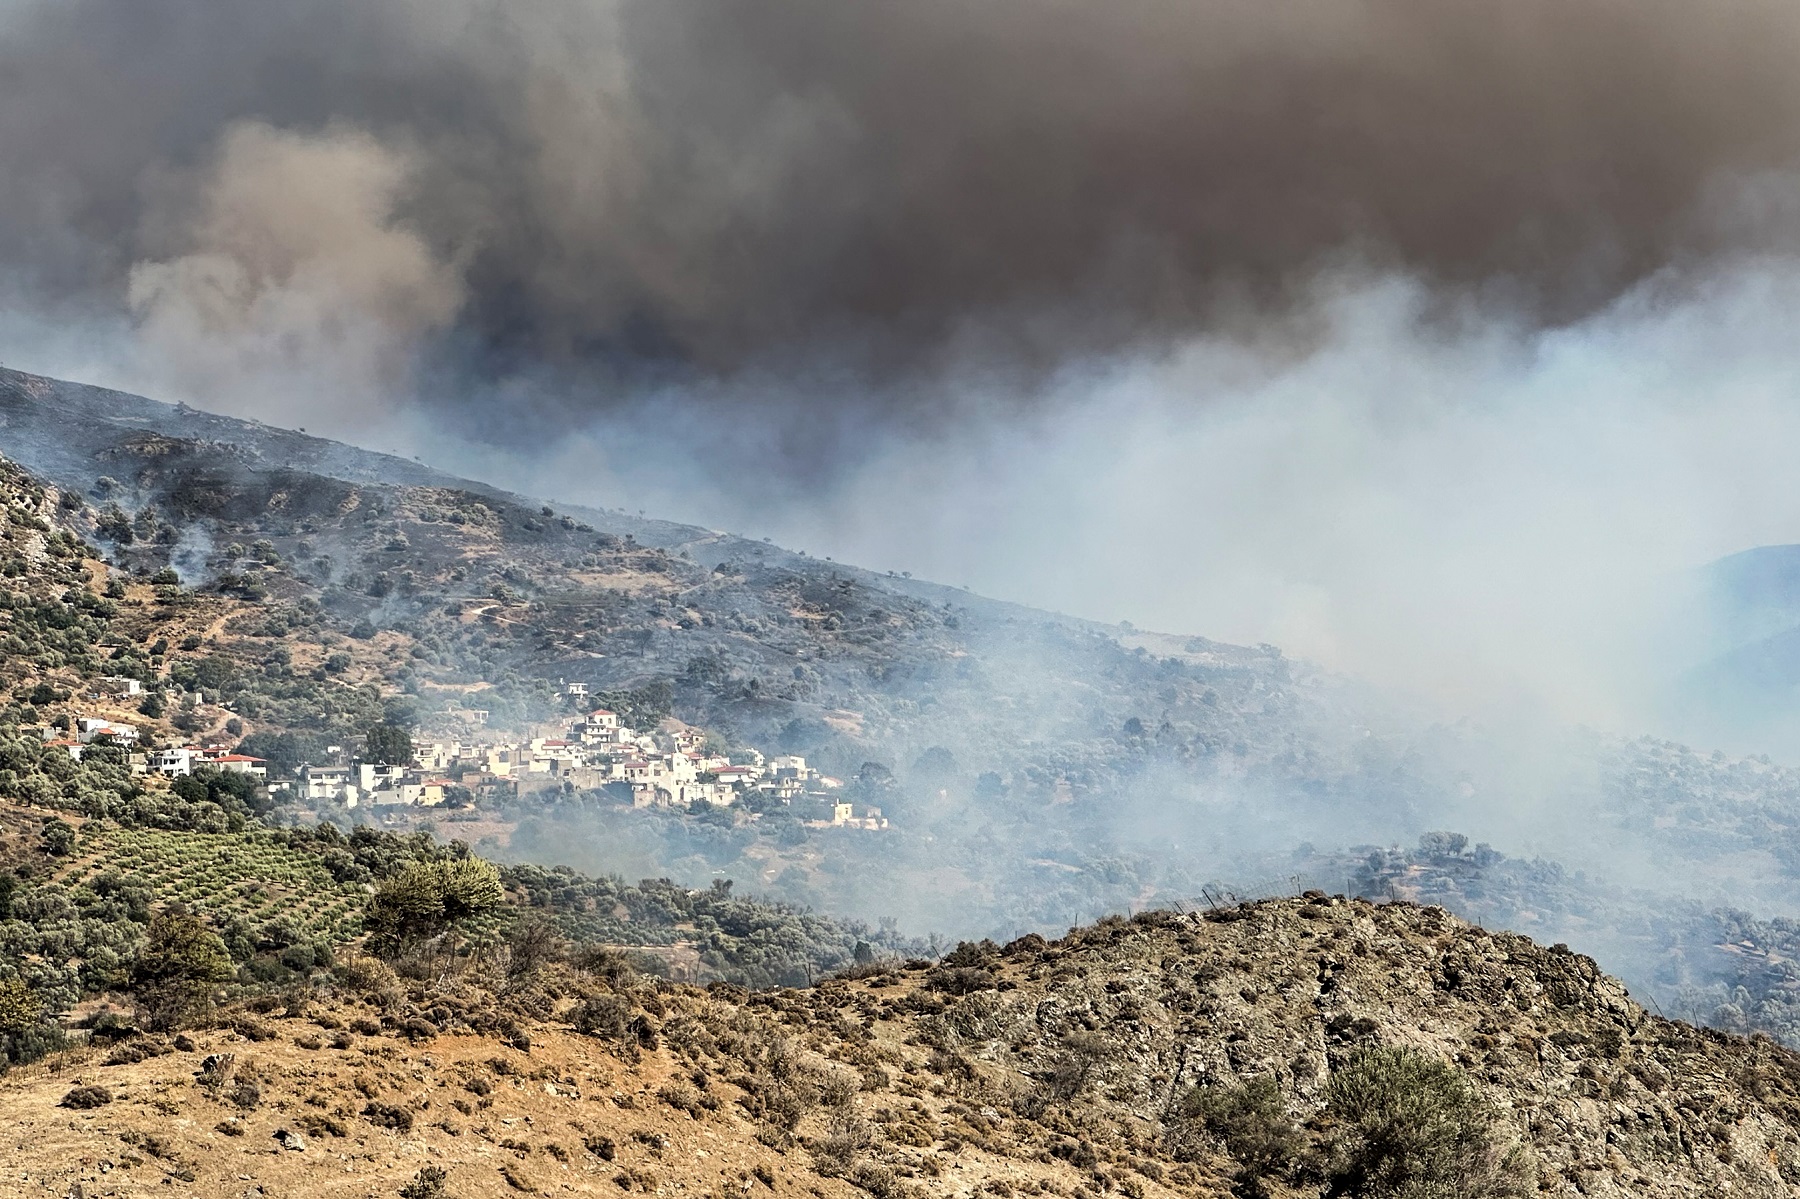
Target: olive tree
1410	1125
180	963
427	899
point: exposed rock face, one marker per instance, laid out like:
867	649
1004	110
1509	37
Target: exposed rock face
1604	1096
1060	1068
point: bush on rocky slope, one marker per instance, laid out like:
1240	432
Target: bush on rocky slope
1408	1124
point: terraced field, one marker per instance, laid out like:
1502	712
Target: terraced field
250	876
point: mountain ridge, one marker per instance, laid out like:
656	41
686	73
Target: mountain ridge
1221	1053
94	406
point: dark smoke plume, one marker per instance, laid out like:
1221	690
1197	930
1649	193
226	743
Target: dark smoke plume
580	199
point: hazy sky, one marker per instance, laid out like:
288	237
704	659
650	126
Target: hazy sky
1422	336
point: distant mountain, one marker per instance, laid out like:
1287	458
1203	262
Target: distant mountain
1741	686
1756	592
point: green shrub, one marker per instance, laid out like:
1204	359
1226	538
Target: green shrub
1408	1126
427	898
1251	1123
31	1043
181	961
58	839
20	1007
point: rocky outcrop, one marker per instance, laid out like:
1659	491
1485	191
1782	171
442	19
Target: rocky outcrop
1167	1055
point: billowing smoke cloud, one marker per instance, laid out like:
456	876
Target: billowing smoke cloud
1233	317
668	188
292	288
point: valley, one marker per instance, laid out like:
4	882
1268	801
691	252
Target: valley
321	792
278	595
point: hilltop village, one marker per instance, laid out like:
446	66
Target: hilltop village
670	766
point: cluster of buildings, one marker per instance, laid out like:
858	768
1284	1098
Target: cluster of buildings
665	768
173	762
377	784
87	730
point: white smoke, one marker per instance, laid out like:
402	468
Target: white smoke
292	283
1482	512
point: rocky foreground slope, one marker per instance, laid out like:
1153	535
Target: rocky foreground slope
1299	1047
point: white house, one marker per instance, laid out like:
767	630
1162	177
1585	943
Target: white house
718	794
90	727
411	793
552	756
241	764
175	762
790	766
377	776
440	756
601	727
325	782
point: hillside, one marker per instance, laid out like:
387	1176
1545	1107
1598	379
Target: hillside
505	594
391	1004
450	597
287	593
1290	1048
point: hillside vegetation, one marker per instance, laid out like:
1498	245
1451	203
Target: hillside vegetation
1304	1047
1038	770
79	900
208	989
